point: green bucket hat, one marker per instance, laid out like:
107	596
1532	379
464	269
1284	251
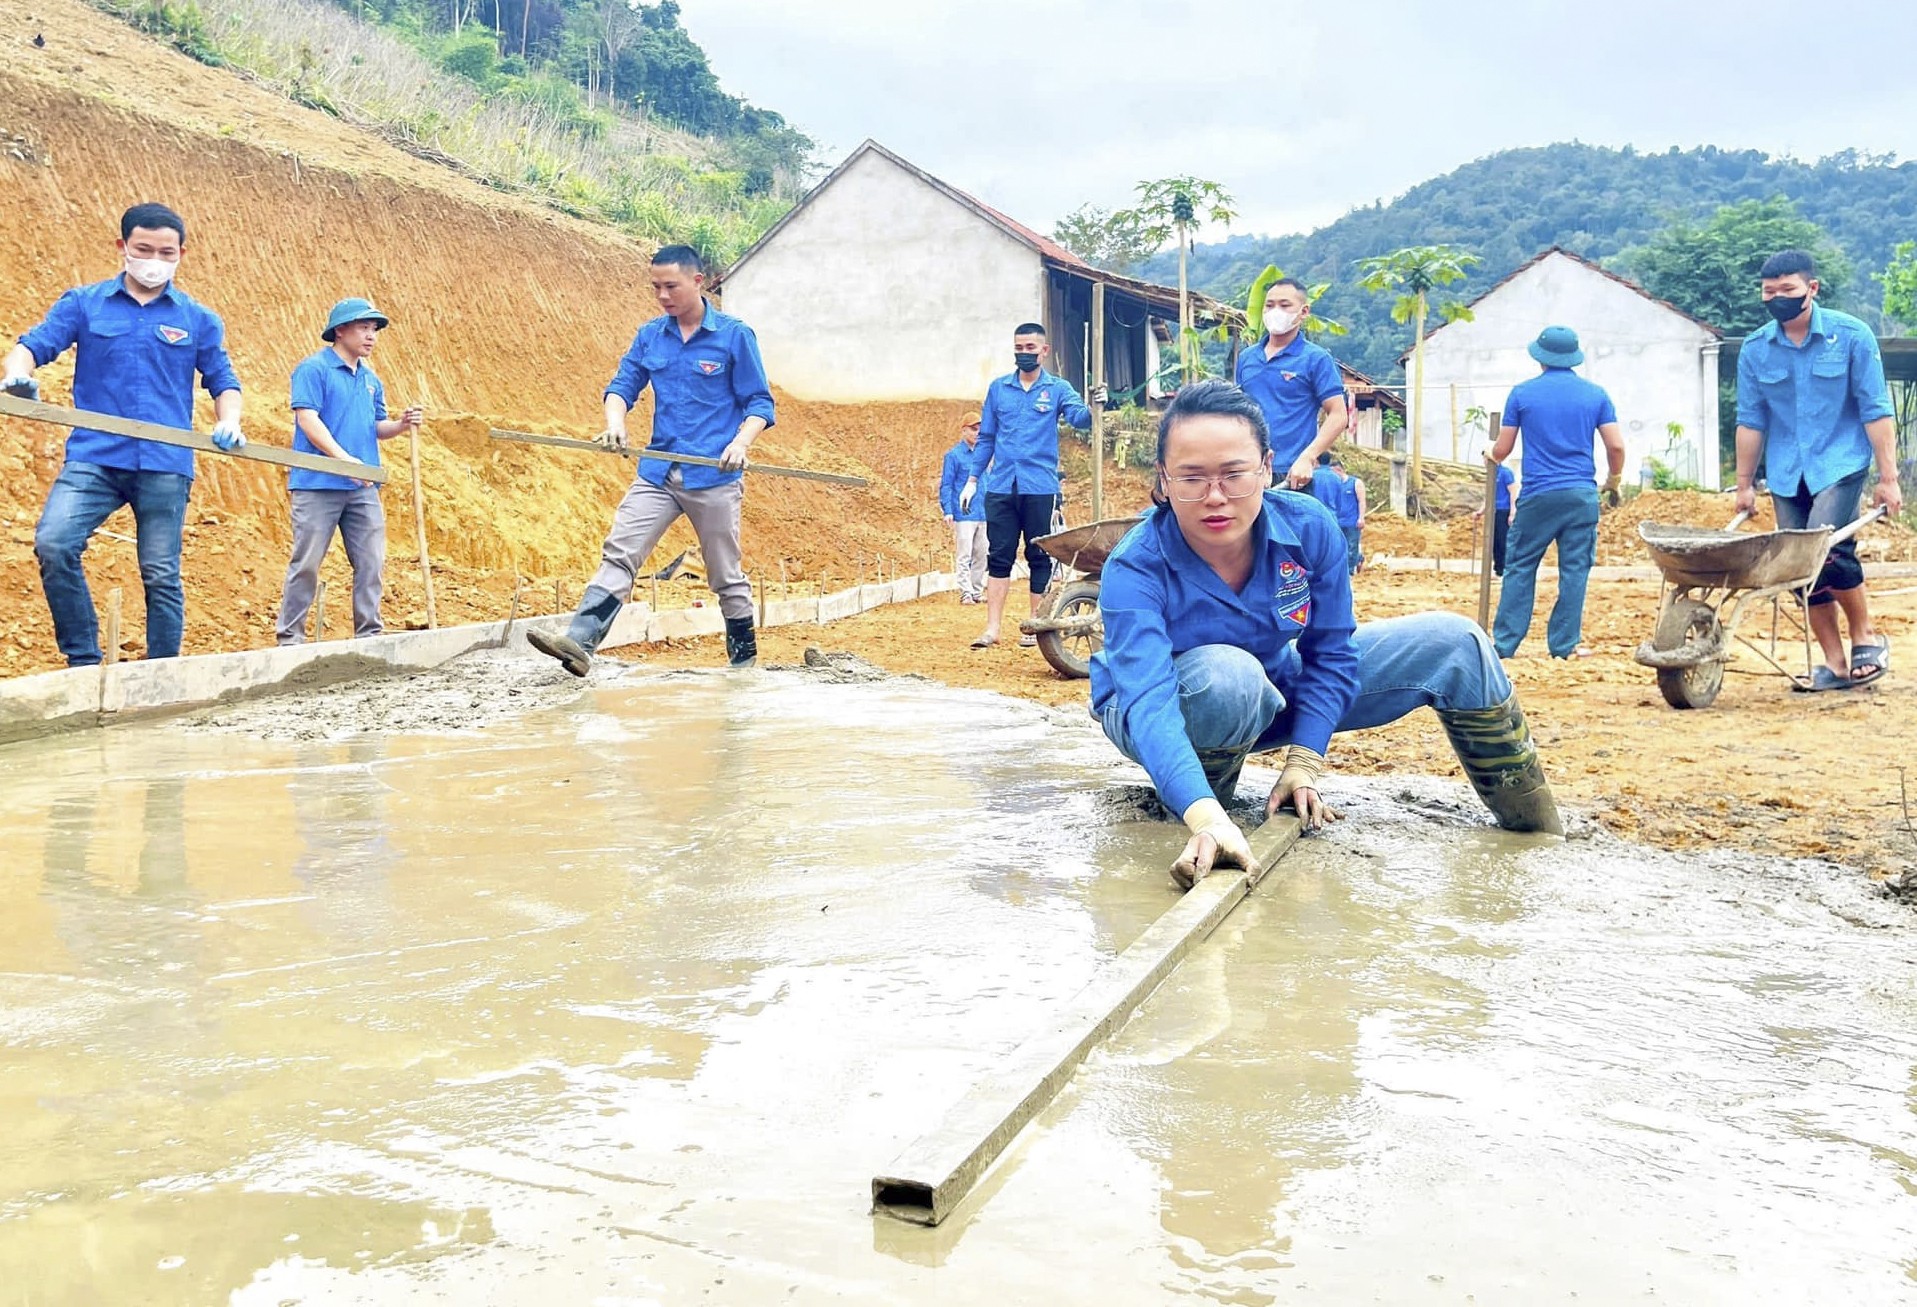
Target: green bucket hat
349	311
1557	347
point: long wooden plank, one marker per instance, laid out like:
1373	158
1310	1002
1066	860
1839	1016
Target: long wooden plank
935	1173
34	411
700	460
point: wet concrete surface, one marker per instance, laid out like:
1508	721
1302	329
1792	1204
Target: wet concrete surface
623	995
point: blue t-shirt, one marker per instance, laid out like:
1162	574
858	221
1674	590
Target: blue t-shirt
1158	599
1326	488
703	389
1506	479
1811	401
134	360
1017	450
1291	387
1557	414
350	401
1348	501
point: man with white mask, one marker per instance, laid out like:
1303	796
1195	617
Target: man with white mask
1296	383
138	341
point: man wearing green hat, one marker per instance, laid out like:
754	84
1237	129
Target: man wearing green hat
339	411
1561	416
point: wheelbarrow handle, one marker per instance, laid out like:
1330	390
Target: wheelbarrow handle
1743	517
1844	533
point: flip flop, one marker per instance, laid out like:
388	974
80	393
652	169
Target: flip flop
1874	656
1028	642
985	642
1822	679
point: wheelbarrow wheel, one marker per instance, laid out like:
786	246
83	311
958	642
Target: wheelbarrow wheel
1688	621
1071	655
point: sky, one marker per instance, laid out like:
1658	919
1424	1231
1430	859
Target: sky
1303	112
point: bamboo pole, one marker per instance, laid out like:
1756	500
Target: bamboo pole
1490	533
319	613
1098	405
419	534
1454	422
113	626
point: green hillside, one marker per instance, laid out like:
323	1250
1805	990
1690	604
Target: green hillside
1596	201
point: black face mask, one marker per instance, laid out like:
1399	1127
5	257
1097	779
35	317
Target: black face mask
1026	362
1786	307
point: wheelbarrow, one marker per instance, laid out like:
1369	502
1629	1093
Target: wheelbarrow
1712	579
1069	629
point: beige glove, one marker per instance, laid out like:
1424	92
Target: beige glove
1215	841
1298	786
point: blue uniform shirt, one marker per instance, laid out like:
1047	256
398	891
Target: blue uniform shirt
1018	434
1159	599
1291	388
958	466
1812	401
350	402
134	360
1557	414
1326	488
702	389
1506	479
1347	501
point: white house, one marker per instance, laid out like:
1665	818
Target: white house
885	283
1658	362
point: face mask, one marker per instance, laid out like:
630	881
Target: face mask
1278	322
150	273
1027	362
1786	307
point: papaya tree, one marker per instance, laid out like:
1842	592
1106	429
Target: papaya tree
1415	274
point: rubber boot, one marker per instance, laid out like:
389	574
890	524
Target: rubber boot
742	642
575	648
1495	746
1222	769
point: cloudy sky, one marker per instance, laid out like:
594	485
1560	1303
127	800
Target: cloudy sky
1304	111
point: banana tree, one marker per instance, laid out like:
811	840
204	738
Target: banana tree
1255	306
1414	273
1179	206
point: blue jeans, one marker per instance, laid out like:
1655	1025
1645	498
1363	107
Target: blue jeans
1231	708
1354	548
1570	519
83	496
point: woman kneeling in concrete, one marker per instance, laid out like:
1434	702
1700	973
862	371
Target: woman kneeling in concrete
1228	630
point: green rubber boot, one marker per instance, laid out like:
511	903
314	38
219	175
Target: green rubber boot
1495	746
1222	769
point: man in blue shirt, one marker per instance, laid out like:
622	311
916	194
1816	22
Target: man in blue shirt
1811	398
710	398
138	341
1561	415
968	523
1228	629
1344	495
1295	382
1500	517
339	410
1017	460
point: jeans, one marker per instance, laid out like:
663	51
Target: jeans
1570	518
1500	537
361	522
82	497
1834	506
1354	548
1231	708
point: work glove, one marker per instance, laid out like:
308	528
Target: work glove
613	439
1611	497
1215	841
20	385
965	495
1298	786
227	435
1100	395
733	457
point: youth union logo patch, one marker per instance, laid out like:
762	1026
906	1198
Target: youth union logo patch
709	366
172	335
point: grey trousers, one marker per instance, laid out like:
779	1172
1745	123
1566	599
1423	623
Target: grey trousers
970	541
361	522
642	520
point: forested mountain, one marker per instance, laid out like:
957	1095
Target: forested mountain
1597	201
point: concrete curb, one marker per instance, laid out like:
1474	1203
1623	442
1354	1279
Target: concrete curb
1606	572
79	697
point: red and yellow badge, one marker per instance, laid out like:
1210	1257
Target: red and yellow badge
172	335
709	366
1293	599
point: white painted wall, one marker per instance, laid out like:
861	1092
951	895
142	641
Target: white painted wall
1658	366
884	288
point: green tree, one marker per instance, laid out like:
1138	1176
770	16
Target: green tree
1178	206
1413	275
1255	306
1117	242
1709	269
1900	287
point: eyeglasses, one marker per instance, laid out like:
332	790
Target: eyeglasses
1236	485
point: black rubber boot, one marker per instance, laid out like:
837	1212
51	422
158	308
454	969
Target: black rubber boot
742	642
575	648
1222	769
1499	757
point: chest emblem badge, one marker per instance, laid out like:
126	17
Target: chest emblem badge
172	335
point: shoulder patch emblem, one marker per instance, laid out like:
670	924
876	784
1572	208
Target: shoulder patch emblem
172	335
1293	599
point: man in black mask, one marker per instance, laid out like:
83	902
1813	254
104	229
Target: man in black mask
1017	457
1811	399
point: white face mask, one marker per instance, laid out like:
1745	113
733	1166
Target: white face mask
1278	322
150	273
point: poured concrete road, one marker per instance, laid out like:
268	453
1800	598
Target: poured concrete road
625	999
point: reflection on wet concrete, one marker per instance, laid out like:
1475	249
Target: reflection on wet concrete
626	999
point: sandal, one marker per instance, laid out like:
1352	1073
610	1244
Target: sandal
1876	657
1028	642
985	642
1822	679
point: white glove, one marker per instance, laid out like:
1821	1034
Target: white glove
613	439
965	495
1298	786
227	435
1215	841
21	385
1099	395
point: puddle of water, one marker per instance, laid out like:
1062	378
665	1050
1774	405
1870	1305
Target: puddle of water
629	997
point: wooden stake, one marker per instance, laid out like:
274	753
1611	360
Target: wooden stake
419	531
655	591
1454	422
759	581
1098	408
785	589
113	626
319	613
1490	534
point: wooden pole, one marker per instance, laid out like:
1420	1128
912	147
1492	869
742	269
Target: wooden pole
113	626
319	613
1490	534
1454	422
419	534
1098	406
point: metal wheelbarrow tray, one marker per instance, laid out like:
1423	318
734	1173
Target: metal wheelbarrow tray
1070	630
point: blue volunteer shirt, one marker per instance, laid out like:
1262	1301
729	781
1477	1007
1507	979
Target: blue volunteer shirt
137	361
1348	501
702	389
958	466
1159	599
352	404
1506	479
1017	451
1812	401
1291	387
1557	414
1326	488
